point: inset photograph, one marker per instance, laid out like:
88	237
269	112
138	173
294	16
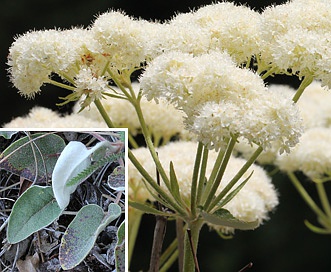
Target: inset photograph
62	200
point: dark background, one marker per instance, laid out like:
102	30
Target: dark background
281	244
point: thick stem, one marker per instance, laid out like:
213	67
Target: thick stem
159	233
189	263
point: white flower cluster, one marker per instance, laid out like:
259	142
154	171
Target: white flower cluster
192	63
223	26
253	202
115	41
311	156
36	54
40	117
296	36
221	99
290	36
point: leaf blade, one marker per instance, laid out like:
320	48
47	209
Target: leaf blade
35	209
224	218
82	232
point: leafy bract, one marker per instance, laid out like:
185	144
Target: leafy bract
147	208
223	217
35	158
82	232
74	159
35	209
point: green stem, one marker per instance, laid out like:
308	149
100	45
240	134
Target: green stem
169	256
213	175
324	199
180	229
304	84
195	178
202	178
62	85
218	179
269	72
103	113
118	83
169	262
150	144
155	186
235	179
195	227
306	197
132	141
134	223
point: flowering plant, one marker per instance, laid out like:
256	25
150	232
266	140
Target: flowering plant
202	83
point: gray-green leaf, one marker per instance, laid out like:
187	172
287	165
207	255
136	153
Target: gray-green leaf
120	249
35	209
82	232
34	161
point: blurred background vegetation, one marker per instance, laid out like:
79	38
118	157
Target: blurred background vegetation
281	244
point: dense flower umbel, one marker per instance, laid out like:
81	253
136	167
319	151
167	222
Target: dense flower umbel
36	54
224	26
253	202
314	109
296	37
39	117
122	39
312	155
221	100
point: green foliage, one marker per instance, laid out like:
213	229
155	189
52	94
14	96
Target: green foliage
35	209
93	167
82	232
35	158
223	217
120	249
116	180
147	208
38	206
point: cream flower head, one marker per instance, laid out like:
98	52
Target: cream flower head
225	26
295	38
312	155
121	38
36	54
40	117
221	100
